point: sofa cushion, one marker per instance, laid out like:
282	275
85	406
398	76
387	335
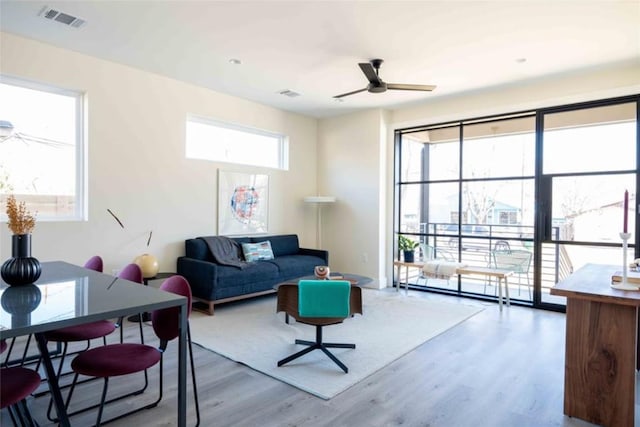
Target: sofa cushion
294	266
259	271
257	251
286	244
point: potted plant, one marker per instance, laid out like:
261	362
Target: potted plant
407	246
21	268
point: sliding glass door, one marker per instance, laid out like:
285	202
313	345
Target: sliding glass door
541	191
589	160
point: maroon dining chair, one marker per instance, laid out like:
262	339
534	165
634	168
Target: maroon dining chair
16	384
89	331
95	263
115	360
85	332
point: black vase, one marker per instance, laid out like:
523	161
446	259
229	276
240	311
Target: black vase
21	268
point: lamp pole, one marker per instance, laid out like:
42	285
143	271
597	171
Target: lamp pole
319	201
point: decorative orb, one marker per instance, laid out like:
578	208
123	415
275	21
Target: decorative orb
321	272
148	264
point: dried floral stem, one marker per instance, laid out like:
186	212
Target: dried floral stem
149	239
20	219
116	218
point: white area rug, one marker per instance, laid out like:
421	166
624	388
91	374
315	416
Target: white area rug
392	325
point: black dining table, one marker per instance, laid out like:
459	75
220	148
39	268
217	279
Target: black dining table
69	295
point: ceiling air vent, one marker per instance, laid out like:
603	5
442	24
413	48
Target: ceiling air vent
63	18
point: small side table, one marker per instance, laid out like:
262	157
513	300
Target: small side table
146	317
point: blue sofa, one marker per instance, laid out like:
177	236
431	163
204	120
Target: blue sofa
213	283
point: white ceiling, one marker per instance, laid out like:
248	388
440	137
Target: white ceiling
313	47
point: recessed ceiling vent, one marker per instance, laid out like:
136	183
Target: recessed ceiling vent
64	18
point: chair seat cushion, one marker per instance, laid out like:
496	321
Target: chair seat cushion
88	331
15	384
115	359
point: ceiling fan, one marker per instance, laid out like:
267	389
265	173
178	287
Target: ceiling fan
377	85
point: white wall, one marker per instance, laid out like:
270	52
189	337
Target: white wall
351	158
137	167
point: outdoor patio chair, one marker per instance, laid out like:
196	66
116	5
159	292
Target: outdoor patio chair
442	257
518	261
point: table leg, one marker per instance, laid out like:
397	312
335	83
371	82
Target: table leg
506	291
52	380
500	293
406	282
182	367
398	278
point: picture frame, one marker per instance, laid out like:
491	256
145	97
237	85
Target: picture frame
243	203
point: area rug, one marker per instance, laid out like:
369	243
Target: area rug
252	333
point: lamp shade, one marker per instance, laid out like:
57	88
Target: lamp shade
320	199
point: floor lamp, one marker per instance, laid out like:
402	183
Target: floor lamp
319	201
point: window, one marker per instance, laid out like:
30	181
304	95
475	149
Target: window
41	148
223	142
547	182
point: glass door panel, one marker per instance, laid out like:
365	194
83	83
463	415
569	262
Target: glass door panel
589	208
588	162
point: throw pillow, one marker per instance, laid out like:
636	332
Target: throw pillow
257	251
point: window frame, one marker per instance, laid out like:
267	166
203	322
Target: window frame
283	141
80	212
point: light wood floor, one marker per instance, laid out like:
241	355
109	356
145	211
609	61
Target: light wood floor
495	369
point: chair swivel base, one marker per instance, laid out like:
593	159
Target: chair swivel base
318	345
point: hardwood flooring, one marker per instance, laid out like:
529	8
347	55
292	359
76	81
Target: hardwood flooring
495	369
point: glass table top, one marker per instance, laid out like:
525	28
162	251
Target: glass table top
66	295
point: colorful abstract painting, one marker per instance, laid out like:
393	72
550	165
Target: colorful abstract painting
243	203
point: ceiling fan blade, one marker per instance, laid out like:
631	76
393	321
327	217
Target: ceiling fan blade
350	93
370	72
400	86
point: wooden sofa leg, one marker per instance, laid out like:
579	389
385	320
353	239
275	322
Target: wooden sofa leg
210	310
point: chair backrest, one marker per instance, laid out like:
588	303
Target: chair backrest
324	298
165	321
514	260
131	272
94	263
428	252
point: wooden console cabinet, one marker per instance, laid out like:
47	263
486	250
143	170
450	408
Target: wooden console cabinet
601	344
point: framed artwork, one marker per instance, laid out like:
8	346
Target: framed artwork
243	203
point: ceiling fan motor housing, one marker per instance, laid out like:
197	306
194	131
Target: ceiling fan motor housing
377	88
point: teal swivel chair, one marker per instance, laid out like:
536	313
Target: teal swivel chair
322	303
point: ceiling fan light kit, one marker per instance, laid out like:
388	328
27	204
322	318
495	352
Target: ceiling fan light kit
377	85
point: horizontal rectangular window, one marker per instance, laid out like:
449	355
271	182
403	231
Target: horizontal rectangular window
42	149
223	142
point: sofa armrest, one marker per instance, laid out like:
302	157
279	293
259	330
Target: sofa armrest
316	252
201	275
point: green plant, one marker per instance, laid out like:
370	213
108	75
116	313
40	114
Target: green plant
406	244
